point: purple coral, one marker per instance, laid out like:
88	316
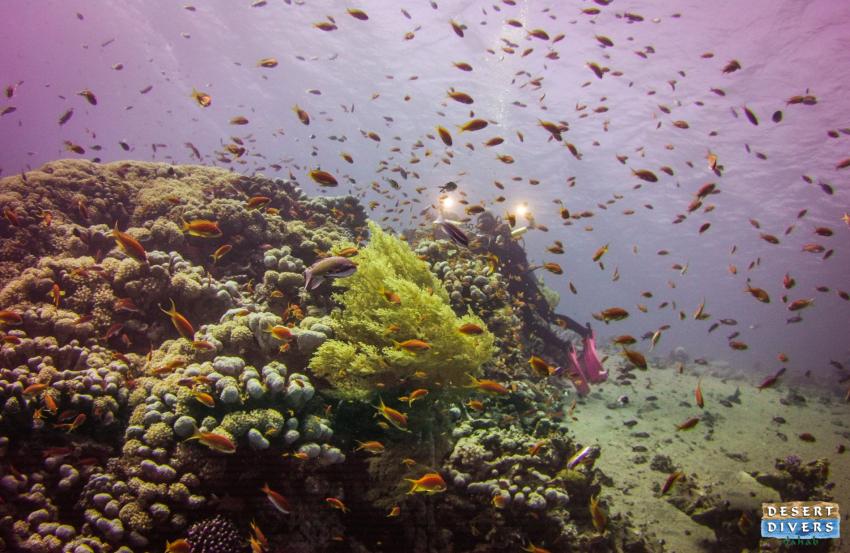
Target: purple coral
215	535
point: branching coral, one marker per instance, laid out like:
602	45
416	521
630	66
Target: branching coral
393	298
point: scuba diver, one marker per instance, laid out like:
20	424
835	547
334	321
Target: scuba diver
497	237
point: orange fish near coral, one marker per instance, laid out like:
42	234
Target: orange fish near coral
487	385
429	483
393	416
277	500
337	503
12	318
177	546
374	447
202	228
181	323
129	245
217	442
413	345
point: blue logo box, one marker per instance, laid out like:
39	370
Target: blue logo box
801	520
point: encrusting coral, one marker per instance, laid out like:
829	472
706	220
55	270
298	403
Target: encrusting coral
394	298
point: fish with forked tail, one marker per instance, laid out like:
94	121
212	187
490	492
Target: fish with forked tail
329	267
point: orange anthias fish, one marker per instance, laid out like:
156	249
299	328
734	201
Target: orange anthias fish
429	483
698	395
540	366
670	481
217	442
337	503
470	329
181	323
220	252
600	519
280	332
11	318
202	228
413	345
393	416
688	424
177	546
488	385
129	245
202	98
372	446
277	500
419	393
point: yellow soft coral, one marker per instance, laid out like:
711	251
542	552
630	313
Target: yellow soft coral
394	297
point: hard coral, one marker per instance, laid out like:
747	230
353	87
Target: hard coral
392	298
215	535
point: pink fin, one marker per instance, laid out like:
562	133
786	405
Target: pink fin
589	360
576	374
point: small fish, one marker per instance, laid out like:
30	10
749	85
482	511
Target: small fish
177	546
470	329
374	447
268	63
325	26
337	503
540	366
797	305
732	66
88	95
413	345
429	483
598	516
636	358
462	65
303	116
751	116
220	252
600	252
280	332
216	442
759	294
487	385
181	323
671	479
771	380
579	457
204	398
277	500
393	416
76	423
473	125
358	14
688	424
698	394
202	228
454	232
129	245
323	178
645	175
329	267
612	314
66	116
202	98
419	393
445	136
475	405
461	97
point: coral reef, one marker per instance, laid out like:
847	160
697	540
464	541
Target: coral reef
164	373
392	300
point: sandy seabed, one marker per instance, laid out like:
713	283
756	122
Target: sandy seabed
745	437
